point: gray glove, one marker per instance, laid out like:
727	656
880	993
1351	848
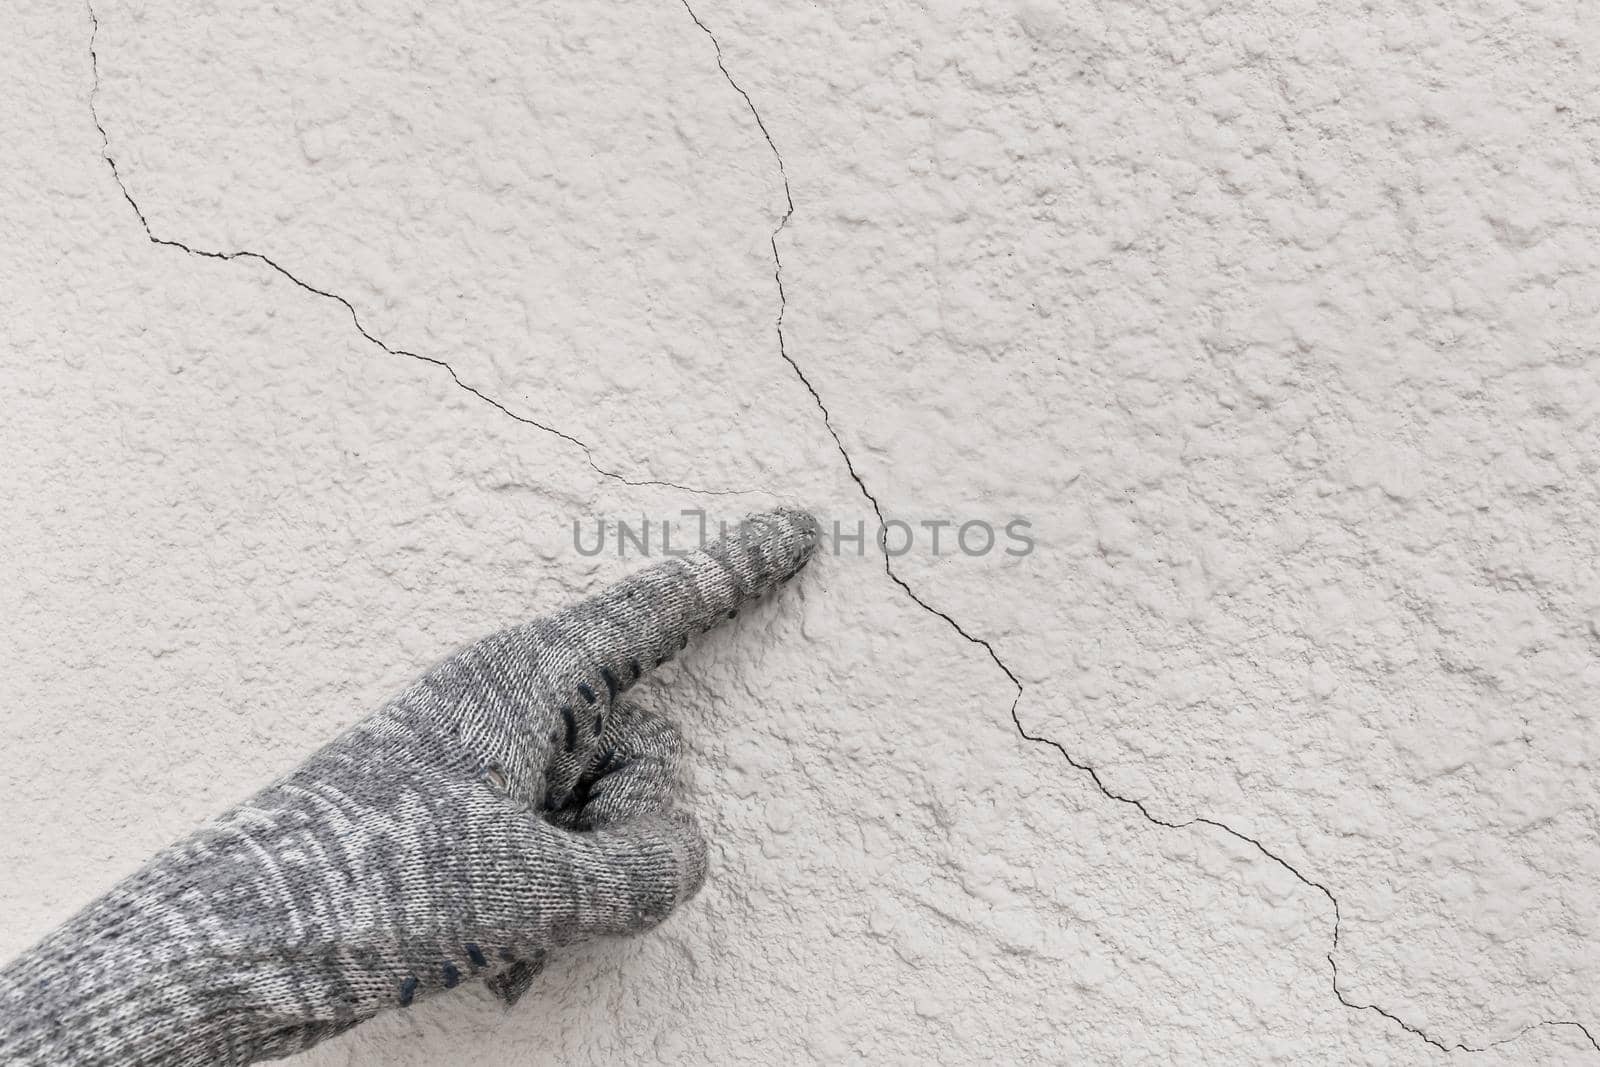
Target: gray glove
507	803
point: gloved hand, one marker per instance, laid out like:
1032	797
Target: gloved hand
507	803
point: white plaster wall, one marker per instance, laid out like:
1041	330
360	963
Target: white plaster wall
1277	321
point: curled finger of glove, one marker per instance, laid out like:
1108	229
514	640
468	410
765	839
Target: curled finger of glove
636	770
564	886
630	784
552	887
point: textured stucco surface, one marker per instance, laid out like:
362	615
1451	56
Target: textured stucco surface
1277	323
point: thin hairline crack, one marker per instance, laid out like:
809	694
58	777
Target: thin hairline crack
355	318
1011	676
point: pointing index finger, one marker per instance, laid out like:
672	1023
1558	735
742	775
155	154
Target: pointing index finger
609	640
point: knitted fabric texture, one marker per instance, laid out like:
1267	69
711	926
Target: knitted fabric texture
507	803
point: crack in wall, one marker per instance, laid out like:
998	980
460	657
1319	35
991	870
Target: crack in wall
855	475
167	242
1040	739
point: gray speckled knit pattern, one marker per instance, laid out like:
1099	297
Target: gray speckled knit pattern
507	803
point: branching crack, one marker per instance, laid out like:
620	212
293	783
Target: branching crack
355	318
989	649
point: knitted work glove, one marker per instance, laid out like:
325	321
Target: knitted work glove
507	803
